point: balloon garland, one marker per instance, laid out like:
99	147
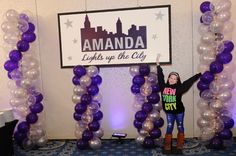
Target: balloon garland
87	103
23	72
215	84
147	118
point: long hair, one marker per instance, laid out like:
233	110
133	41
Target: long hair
177	75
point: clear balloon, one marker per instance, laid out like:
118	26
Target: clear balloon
85	81
98	98
204	48
216	26
217	125
146	89
202	123
12	15
216	105
225	96
208	114
140	139
154	115
221	5
23	25
207	57
27	144
11	37
208	38
202	29
42	141
207	133
223	16
78	134
8	26
148	125
144	132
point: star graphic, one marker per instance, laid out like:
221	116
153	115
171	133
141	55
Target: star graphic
75	40
68	23
69	58
154	36
159	15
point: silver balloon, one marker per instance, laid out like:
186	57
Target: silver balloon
76	99
32	74
140	139
202	104
93	106
95	143
207	133
208	114
78	134
208	38
157	106
99	133
148	125
202	122
27	144
225	96
92	71
85	81
154	115
98	98
223	16
134	70
79	90
216	105
143	132
42	141
216	26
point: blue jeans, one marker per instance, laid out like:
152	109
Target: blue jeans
171	121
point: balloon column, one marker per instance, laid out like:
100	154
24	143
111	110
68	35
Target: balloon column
147	118
215	84
23	72
87	104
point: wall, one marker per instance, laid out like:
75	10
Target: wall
117	98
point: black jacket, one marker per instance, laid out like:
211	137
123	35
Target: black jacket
171	95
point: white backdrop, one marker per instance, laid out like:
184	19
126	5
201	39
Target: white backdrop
117	98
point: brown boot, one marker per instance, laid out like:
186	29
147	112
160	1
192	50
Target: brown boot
168	140
180	141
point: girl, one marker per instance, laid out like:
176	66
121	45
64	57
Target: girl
171	95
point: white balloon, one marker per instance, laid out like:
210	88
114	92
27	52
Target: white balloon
12	15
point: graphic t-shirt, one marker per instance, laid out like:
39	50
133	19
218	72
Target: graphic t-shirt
171	95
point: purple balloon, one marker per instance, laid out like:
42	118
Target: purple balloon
205	6
216	67
96	80
94	126
148	142
28	37
216	143
32	118
158	123
144	69
81	144
31	28
76	80
22	46
155	133
97	116
36	108
224	58
147	107
138	124
228	122
87	135
80	108
24	17
39	98
202	86
93	90
19	137
135	89
153	98
140	116
23	127
228	46
207	77
79	71
155	88
138	80
10	65
15	55
77	116
86	99
226	134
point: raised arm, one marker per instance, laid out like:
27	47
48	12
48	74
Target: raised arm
189	82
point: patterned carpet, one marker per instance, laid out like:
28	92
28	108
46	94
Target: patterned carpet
125	148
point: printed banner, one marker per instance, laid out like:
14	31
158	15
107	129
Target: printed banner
115	37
